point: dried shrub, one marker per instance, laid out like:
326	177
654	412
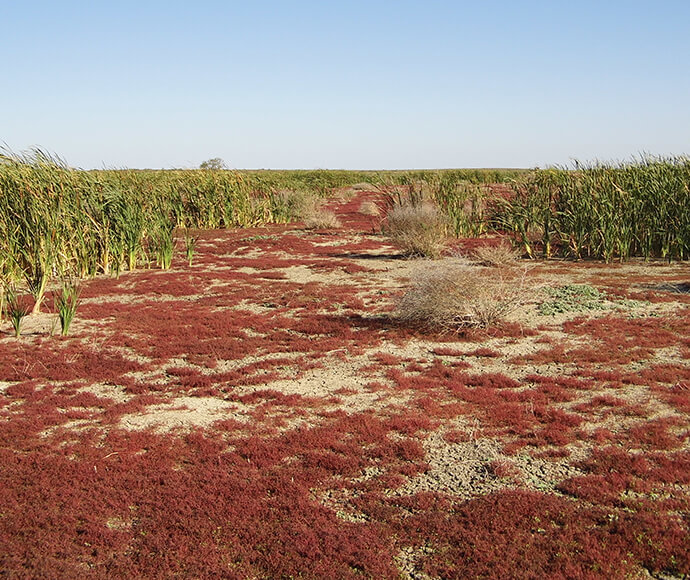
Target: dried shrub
451	296
369	208
294	204
495	256
308	208
418	229
320	218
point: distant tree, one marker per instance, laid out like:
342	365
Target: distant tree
215	163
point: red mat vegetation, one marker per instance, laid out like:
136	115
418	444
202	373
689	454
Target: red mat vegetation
341	445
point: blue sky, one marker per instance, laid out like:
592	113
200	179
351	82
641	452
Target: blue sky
368	85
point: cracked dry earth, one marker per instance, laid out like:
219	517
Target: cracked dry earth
262	414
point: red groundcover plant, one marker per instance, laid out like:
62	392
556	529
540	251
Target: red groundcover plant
339	443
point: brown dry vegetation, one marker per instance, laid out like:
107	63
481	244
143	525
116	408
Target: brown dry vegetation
418	229
452	295
498	255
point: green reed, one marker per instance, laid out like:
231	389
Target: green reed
605	211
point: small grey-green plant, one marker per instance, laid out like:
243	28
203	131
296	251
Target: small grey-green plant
630	304
259	237
582	298
66	303
572	298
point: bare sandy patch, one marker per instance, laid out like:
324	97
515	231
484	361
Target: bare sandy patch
183	413
107	391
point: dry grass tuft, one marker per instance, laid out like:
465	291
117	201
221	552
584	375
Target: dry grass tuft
418	229
297	203
451	295
308	208
320	218
495	256
369	208
344	194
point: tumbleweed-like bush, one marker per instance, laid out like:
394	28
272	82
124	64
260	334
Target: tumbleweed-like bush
418	229
308	208
496	256
320	218
452	295
370	208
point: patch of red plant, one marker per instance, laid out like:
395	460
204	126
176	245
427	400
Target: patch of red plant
62	360
517	534
657	434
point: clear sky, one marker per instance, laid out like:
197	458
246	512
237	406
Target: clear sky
352	84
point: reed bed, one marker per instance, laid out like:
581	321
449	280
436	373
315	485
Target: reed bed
60	222
604	211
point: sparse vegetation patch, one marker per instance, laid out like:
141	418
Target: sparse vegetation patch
582	298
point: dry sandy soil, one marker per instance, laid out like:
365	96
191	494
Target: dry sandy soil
264	414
